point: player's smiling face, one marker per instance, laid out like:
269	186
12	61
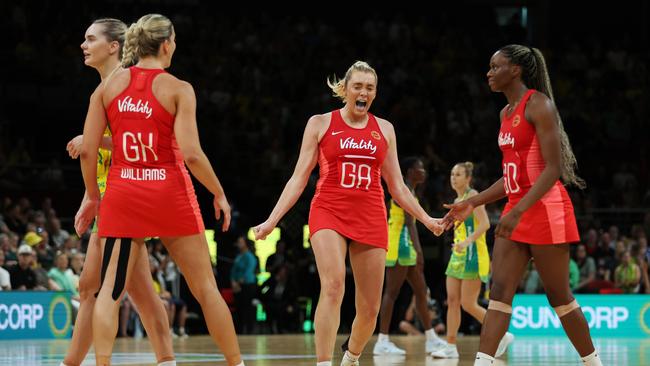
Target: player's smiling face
360	91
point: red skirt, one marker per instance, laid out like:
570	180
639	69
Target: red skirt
549	221
369	228
149	202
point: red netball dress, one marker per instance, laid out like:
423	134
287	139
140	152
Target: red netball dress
149	192
349	198
551	219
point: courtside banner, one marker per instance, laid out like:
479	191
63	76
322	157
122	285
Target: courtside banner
607	315
35	315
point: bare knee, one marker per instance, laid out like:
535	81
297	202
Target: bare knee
468	304
87	290
453	300
204	292
332	290
558	297
502	291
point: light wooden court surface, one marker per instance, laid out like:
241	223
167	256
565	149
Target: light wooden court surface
293	350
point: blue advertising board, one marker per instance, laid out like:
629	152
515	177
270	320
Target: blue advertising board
35	315
607	315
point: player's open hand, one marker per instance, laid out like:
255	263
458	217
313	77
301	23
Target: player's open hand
85	215
221	204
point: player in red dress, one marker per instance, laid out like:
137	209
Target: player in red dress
354	149
152	116
102	48
538	220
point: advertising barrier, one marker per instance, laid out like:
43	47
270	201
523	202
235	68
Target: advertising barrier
35	315
607	315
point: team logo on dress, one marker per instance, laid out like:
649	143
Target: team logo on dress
516	121
375	135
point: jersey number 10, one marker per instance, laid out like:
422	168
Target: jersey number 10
510	176
354	175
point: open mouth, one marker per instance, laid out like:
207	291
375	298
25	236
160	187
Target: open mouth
360	104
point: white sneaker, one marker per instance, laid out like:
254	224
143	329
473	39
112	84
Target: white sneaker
503	344
432	345
447	351
387	348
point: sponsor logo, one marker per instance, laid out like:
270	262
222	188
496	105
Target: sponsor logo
334	133
516	121
351	143
127	105
375	135
506	139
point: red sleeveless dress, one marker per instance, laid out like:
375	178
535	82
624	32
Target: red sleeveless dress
349	198
551	219
149	192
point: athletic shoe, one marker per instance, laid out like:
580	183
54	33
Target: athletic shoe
447	351
387	348
503	344
435	344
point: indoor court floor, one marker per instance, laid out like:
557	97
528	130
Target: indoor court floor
291	350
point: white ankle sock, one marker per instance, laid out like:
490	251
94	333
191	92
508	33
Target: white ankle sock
382	338
324	363
592	359
431	334
168	363
483	359
240	364
350	356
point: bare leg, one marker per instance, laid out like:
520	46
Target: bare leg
151	310
395	277
368	269
88	286
469	292
123	257
552	262
191	255
509	262
453	308
329	251
415	277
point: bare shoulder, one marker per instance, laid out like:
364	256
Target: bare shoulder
387	128
539	106
472	192
115	84
318	124
169	81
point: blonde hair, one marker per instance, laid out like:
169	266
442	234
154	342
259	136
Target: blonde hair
114	30
534	74
469	168
338	85
144	37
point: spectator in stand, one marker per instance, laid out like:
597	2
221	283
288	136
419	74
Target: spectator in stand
591	243
5	278
613	235
244	286
278	294
411	324
587	268
22	275
627	275
57	234
640	257
61	277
